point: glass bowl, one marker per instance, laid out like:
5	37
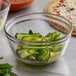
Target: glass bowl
4	9
38	52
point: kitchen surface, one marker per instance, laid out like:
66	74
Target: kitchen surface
66	66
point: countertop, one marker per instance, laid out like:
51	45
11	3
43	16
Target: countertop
66	66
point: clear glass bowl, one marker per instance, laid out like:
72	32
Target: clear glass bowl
42	23
4	9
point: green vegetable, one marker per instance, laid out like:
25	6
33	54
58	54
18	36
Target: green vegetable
34	54
28	38
5	66
56	48
38	54
23	53
1	58
8	73
44	54
20	35
53	36
11	74
30	32
5	69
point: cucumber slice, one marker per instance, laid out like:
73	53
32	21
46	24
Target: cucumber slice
34	37
44	54
56	48
28	38
23	53
20	35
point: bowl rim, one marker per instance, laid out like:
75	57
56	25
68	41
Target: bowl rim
63	38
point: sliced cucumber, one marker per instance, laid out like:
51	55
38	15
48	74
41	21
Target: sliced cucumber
23	53
34	53
44	54
20	35
28	38
34	37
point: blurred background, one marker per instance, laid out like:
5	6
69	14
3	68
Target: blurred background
36	6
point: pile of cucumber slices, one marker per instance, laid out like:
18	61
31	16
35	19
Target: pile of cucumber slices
37	53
